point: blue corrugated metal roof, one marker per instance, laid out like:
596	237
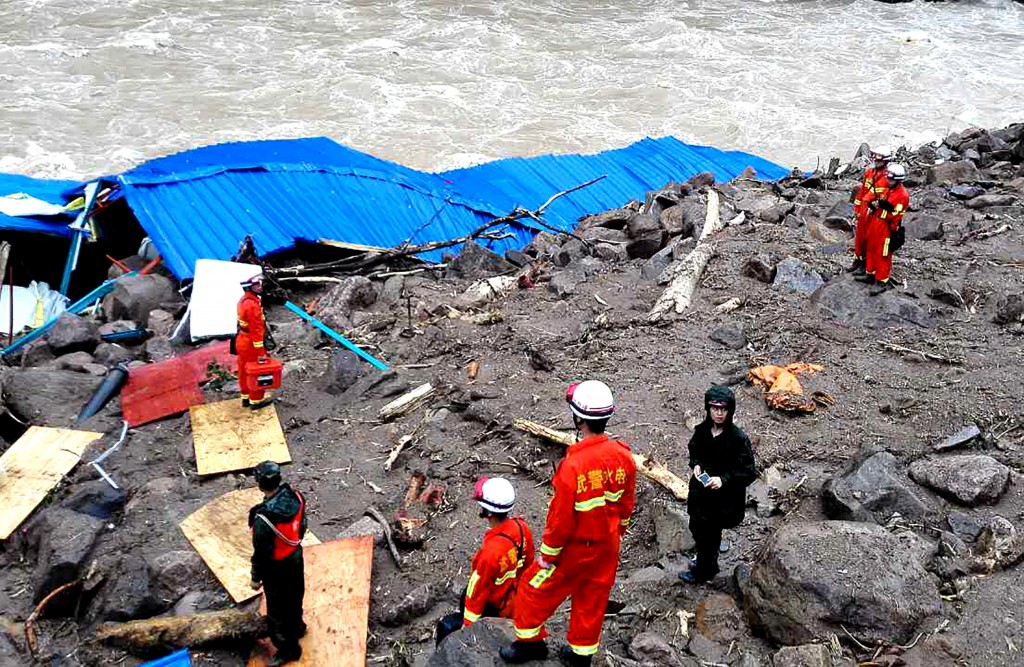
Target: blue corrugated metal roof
199	204
48	191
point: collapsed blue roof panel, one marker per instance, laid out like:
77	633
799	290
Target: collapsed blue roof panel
46	190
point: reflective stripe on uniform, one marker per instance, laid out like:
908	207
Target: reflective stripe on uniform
613	497
470	616
585	651
473	580
885	249
528	633
541	576
550	551
257	344
505	577
588	505
899	207
243	323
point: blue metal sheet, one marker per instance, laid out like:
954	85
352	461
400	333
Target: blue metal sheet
177	659
199	204
48	191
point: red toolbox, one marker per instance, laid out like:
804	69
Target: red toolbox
264	373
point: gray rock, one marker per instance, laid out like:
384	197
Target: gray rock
571	251
969	479
760	267
71	333
605	234
36	353
611	253
707	650
679	220
953	172
174	573
972	155
392	290
543	244
964	526
646	234
364	526
48	397
126	594
195	602
672	529
336	307
658	201
379	385
160	322
947	293
476	263
414	604
966	191
840	216
701	180
135	296
776	213
654	266
477	646
650	647
96	499
616	218
923	226
848	303
60	542
157	349
959	439
718	618
985	201
816	576
873	491
808	655
117	326
74	361
111	354
1010	308
514	257
343	370
564	283
730	336
797	276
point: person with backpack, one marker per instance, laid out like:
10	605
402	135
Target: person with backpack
723	467
498	565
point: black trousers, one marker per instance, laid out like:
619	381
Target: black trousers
708	536
284	587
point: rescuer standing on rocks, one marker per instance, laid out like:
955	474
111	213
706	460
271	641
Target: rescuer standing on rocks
579	553
499	564
874	184
723	468
278	525
249	342
885	232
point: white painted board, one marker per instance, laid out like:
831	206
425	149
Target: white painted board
216	290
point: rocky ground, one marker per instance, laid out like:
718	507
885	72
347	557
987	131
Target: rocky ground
872	533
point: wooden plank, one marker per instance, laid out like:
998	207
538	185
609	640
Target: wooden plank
406	402
219	531
644	465
336	606
32	466
229	437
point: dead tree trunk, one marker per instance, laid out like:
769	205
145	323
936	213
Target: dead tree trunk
166	633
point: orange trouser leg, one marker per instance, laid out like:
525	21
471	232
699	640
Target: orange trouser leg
247	355
539	594
589	600
860	235
874	245
883	266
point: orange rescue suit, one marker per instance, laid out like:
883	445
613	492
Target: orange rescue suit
249	342
875	183
497	570
595	488
886	215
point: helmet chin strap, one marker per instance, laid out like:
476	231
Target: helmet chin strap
576	421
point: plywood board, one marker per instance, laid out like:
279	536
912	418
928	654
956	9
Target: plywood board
219	531
32	466
230	437
336	606
170	387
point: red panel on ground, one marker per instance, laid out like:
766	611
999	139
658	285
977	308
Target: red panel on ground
166	388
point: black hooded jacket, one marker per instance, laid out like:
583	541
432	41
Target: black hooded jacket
729	456
279	508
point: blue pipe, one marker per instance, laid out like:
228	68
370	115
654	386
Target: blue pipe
335	335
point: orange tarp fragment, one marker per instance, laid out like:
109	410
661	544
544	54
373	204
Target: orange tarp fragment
784	390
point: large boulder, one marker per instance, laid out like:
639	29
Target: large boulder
651	648
796	276
969	479
840	216
646	234
71	333
134	297
96	499
963	171
1010	308
924	227
126	594
672	528
47	397
477	646
476	262
60	542
874	490
564	283
172	574
111	354
987	201
680	219
604	234
808	655
353	293
849	303
343	370
615	218
760	267
817	576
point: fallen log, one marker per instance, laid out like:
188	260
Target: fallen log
645	465
899	349
155	635
406	402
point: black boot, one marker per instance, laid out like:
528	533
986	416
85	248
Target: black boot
867	279
880	288
857	267
571	659
519	652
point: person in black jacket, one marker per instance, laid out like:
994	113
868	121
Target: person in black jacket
723	468
278	525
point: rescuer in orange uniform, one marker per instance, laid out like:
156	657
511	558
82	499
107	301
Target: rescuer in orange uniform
278	525
499	564
874	184
885	233
249	342
594	497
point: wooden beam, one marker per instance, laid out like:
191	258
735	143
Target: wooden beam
406	402
171	632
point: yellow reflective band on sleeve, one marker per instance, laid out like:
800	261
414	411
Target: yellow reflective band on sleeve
474	579
591	504
883	215
879	190
885	250
505	577
541	576
899	207
550	551
528	633
613	497
584	650
243	323
470	617
625	522
856	202
257	344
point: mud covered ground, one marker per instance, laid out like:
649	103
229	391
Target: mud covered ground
903	403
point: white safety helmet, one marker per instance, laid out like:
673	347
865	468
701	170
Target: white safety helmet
896	172
881	153
495	494
591	399
249	282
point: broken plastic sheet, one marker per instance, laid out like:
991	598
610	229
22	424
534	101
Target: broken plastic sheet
33	305
213	308
21	205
